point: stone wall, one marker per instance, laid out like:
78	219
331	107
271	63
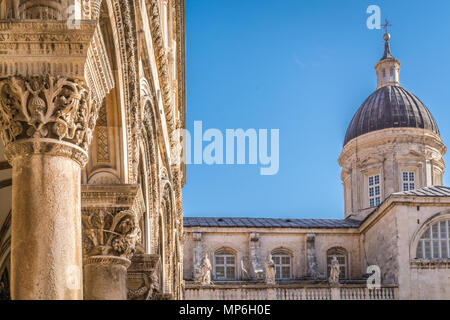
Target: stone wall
291	241
380	247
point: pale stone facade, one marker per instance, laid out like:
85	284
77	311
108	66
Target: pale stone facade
92	94
397	218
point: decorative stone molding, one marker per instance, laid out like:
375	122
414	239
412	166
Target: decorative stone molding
110	217
45	107
254	236
107	260
430	264
28	147
198	254
143	277
313	268
97	69
52	81
257	270
163	65
36	48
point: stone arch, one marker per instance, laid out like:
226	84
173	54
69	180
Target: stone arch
162	253
341	253
283	250
123	20
276	255
149	142
118	158
228	251
167	212
440	216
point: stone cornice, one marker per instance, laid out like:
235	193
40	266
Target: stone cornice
394	200
388	137
43	41
110	197
430	264
263	231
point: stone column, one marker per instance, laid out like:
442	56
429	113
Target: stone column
48	110
111	236
46	125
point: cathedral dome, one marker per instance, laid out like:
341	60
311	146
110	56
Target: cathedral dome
390	106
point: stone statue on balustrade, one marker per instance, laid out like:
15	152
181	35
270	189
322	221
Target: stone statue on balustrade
270	271
205	271
334	272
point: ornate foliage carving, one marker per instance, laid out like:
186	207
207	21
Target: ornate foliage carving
143	277
103	154
46	107
107	234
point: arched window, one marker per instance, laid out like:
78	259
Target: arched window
224	265
435	241
341	255
282	262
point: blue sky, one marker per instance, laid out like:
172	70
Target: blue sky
303	67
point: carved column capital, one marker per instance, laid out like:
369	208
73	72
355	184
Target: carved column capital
110	216
45	114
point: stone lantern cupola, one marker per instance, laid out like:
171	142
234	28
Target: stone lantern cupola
392	144
388	68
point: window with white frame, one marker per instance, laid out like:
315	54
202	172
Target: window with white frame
225	265
435	241
391	74
341	255
282	262
374	190
408	180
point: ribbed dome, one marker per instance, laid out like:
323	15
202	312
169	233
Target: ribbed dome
390	107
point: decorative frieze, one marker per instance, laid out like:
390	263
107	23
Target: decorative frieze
54	48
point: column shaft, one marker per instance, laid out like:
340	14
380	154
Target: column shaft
46	252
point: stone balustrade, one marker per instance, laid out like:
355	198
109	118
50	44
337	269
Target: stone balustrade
295	291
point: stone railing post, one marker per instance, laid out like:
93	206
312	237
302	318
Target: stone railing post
111	235
335	293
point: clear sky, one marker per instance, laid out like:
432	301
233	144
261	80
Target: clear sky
303	67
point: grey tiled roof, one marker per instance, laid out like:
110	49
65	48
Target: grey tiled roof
435	191
270	223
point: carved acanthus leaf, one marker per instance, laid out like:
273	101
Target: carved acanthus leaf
46	107
110	235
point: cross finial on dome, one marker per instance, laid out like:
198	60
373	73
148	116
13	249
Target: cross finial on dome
387	47
386	26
